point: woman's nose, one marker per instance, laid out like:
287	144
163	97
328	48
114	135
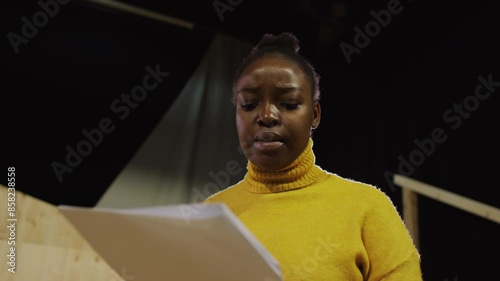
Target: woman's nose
268	116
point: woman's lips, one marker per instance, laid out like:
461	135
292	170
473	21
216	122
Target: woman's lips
267	141
268	136
267	145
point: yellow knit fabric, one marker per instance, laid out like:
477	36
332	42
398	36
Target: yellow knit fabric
320	226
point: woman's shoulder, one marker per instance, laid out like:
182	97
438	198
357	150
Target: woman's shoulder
222	194
354	188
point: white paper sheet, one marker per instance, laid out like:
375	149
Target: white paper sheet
186	242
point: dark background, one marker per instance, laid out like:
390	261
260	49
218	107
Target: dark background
394	92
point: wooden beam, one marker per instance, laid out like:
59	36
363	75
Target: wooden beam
410	214
144	12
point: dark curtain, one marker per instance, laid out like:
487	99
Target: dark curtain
77	74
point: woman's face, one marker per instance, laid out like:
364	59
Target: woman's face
274	112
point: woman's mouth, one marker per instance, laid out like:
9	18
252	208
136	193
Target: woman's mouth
267	145
268	141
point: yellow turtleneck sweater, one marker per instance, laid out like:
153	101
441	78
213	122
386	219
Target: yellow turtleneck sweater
320	226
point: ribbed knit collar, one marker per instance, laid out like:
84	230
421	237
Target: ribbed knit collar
300	173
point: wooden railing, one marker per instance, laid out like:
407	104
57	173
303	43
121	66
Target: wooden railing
411	188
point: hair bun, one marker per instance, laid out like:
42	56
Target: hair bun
283	40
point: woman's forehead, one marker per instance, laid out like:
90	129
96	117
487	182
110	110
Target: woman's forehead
278	71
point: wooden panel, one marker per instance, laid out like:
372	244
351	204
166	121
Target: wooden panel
47	246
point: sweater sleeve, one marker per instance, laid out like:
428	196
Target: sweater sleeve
391	252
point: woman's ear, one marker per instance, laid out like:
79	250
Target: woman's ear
316	114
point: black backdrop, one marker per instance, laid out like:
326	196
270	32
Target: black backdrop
392	94
69	76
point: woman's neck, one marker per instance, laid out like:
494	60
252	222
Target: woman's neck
300	173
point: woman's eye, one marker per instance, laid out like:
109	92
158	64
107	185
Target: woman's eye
248	106
290	106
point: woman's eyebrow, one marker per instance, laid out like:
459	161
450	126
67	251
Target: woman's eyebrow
286	89
250	89
282	89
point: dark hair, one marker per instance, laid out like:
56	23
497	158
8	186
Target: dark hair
286	45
